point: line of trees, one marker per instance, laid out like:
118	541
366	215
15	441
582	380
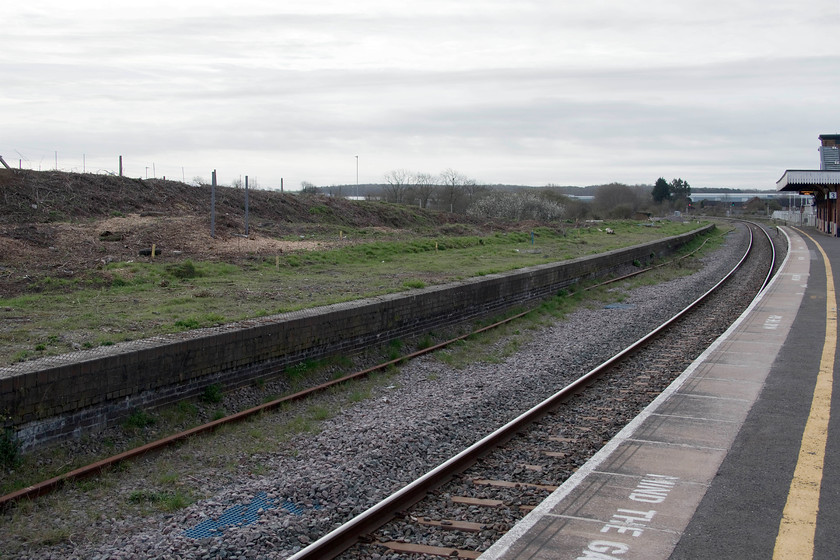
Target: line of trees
452	191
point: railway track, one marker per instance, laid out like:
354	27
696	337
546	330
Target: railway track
468	502
474	524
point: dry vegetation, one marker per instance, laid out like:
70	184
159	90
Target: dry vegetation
59	225
73	273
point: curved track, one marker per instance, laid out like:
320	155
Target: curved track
553	437
332	499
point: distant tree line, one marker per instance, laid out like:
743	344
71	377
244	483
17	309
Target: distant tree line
452	191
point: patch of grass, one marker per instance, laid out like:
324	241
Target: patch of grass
212	394
54	536
358	395
187	408
425	342
87	484
184	271
187	324
413	284
138	420
168	478
319	413
319	210
21	356
9	450
167	501
395	349
298	372
299	425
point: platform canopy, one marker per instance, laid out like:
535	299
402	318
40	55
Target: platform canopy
808	180
823	185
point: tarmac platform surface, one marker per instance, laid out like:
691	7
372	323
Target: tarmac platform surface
738	458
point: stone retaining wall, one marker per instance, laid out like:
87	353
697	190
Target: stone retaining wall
51	398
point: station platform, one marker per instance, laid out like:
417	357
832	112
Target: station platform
738	458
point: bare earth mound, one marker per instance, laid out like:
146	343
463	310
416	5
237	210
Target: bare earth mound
58	225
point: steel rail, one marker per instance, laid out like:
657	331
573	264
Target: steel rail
772	248
92	469
772	257
343	537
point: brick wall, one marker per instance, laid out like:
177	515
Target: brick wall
55	397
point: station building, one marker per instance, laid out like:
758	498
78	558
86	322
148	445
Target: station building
822	184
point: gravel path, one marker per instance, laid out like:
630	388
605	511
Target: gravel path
300	488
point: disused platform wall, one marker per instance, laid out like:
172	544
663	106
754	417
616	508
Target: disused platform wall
52	398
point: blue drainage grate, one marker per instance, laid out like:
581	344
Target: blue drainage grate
240	515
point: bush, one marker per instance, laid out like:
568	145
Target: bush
516	206
138	420
184	271
212	394
9	449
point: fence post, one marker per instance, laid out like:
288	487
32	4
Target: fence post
246	206
213	206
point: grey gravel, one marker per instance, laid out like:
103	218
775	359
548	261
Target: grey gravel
370	449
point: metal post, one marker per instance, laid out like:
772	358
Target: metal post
213	206
121	166
246	205
3	161
357	177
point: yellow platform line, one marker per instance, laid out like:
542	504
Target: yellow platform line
795	540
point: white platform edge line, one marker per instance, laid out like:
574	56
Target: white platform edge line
524	525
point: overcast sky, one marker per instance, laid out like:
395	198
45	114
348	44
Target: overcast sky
722	93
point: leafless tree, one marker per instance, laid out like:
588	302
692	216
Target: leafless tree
452	189
616	201
399	181
423	189
472	190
